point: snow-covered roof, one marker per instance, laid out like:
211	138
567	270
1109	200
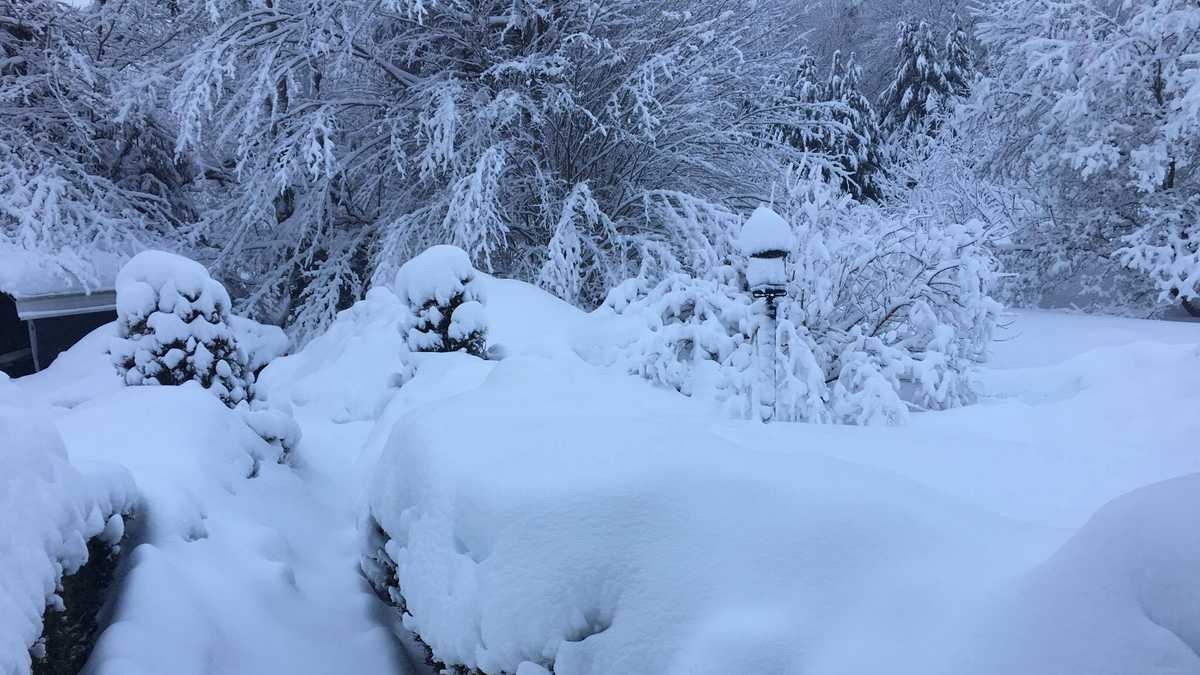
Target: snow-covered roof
30	307
765	231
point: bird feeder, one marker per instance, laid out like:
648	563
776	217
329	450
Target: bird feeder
766	239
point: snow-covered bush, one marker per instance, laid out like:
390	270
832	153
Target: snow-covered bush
262	343
886	311
446	298
174	326
56	521
695	335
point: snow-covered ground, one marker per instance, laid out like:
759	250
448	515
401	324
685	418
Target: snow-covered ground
546	511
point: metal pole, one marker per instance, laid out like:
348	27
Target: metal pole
33	346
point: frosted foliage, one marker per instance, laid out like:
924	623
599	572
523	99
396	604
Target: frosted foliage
554	142
79	180
174	326
886	312
444	293
1100	101
694	336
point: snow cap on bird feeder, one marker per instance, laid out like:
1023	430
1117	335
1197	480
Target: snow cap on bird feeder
765	240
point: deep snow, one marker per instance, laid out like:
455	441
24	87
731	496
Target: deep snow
546	509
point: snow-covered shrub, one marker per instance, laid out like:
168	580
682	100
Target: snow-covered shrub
446	298
695	335
886	311
56	522
262	343
277	427
174	326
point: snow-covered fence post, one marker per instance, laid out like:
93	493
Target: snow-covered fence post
766	239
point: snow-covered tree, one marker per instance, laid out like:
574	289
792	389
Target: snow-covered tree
1097	101
960	60
445	294
555	141
859	147
920	81
174	326
839	123
77	178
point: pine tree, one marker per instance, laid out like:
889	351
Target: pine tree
921	80
857	140
174	326
838	122
444	292
960	60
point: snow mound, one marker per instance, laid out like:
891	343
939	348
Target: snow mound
348	372
180	443
1122	596
49	509
557	516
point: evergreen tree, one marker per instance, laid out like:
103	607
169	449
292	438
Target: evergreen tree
445	295
920	82
960	60
174	326
838	122
857	138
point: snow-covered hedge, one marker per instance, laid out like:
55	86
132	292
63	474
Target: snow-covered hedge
174	326
886	311
51	514
552	517
443	291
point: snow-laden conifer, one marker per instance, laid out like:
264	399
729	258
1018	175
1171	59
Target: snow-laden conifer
920	82
174	326
445	295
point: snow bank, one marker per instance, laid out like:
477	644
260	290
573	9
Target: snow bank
180	443
49	509
542	512
556	516
81	373
1123	596
348	373
240	567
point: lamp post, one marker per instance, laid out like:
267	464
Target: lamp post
766	239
